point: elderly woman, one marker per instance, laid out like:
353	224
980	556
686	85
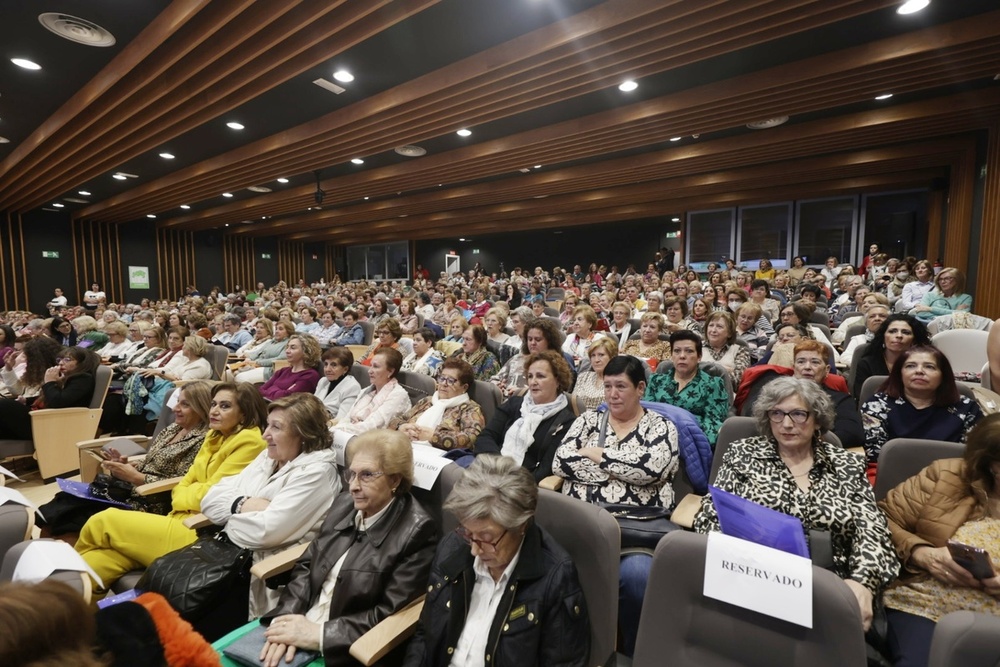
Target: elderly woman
540	335
583	336
146	390
620	327
919	400
387	335
897	334
115	541
408	320
951	499
448	419
300	375
496	322
352	333
874	316
747	330
447	312
370	559
382	400
788	468
327	331
337	389
497	543
946	298
529	428
456	327
307	321
590	384
566	316
263	331
722	348
424	359
281	497
484	364
687	386
118	343
675	309
648	345
623	455
259	365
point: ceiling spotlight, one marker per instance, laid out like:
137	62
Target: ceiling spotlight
4	140
26	64
83	193
227	224
912	6
282	180
676	138
464	133
627	86
59	205
319	194
884	96
119	177
343	76
675	219
357	160
461	239
538	166
233	125
185	207
151	216
227	194
167	156
366	198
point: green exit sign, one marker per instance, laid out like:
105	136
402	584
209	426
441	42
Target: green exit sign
50	254
265	255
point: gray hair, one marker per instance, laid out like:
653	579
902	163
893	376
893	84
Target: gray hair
232	319
496	488
776	391
523	312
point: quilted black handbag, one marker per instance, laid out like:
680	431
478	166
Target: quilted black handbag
197	578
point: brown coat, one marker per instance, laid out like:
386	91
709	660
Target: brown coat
459	426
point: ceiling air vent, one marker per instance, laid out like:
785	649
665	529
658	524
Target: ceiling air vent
769	122
411	151
329	85
258	188
76	29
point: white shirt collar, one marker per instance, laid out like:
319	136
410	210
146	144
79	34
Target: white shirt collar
363	524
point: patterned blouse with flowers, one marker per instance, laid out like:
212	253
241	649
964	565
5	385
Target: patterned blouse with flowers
839	500
659	350
484	363
885	418
458	428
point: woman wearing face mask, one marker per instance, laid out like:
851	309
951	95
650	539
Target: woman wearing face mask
914	291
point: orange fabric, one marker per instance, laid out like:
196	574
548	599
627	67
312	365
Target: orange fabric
182	646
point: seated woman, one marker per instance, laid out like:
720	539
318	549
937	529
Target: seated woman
897	334
300	375
280	499
62	331
496	322
528	428
687	386
69	384
951	499
337	388
946	298
700	309
328	330
590	384
498	542
675	308
154	343
259	364
873	319
380	312
146	390
626	454
380	401
456	327
540	335
407	316
170	454
788	468
307	321
345	584
448	419
23	372
352	333
263	331
387	335
583	336
484	364
919	400
115	541
620	327
566	316
722	348
447	312
648	346
749	332
118	343
424	359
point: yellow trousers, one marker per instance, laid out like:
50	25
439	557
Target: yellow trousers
116	541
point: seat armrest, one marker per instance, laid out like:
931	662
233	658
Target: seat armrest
279	563
683	514
552	483
372	646
196	521
98	443
158	487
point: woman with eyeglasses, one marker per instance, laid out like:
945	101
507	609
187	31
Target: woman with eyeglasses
787	467
947	297
370	559
498	551
387	335
448	419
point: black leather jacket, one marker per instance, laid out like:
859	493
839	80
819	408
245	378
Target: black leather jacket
542	618
385	570
548	436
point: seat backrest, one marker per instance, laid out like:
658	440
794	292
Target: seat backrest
217	356
488	396
551	312
593	540
733	429
965	639
859	352
166	417
854	330
985	379
964	348
698	631
16	522
870	387
902	458
417	385
433	500
78	581
825	328
360	374
369	331
102	380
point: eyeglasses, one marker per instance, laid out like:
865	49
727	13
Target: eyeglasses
383	332
797	416
366	477
484	545
447	381
149	335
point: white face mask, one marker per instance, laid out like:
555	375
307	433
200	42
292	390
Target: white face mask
902	275
733	305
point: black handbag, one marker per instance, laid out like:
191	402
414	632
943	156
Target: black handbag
197	578
110	488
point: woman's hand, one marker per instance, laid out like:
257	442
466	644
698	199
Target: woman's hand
124	471
595	454
112	454
864	598
51	374
992	586
13	360
254	505
939	564
285	634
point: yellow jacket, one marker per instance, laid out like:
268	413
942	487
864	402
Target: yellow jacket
218	457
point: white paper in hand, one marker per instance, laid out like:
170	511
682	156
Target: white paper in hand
43	557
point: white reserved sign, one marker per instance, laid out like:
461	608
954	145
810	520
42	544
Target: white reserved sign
759	578
428	462
340	440
43	557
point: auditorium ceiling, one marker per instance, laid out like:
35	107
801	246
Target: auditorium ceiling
236	114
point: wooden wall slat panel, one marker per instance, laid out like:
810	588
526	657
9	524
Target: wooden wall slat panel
987	286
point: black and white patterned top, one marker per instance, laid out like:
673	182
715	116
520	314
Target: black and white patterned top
885	418
839	500
637	470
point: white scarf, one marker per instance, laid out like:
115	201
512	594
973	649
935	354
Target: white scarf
521	434
433	415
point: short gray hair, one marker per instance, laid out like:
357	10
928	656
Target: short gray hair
523	312
776	391
232	318
496	488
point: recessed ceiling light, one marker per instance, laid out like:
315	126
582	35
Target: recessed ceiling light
464	133
627	86
884	96
167	156
185	207
357	160
26	64
675	138
675	219
57	205
227	194
343	76
461	239
151	216
538	166
84	193
912	6
282	180
4	140
119	177
233	125
227	224
366	198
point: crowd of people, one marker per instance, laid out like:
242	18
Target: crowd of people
579	358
